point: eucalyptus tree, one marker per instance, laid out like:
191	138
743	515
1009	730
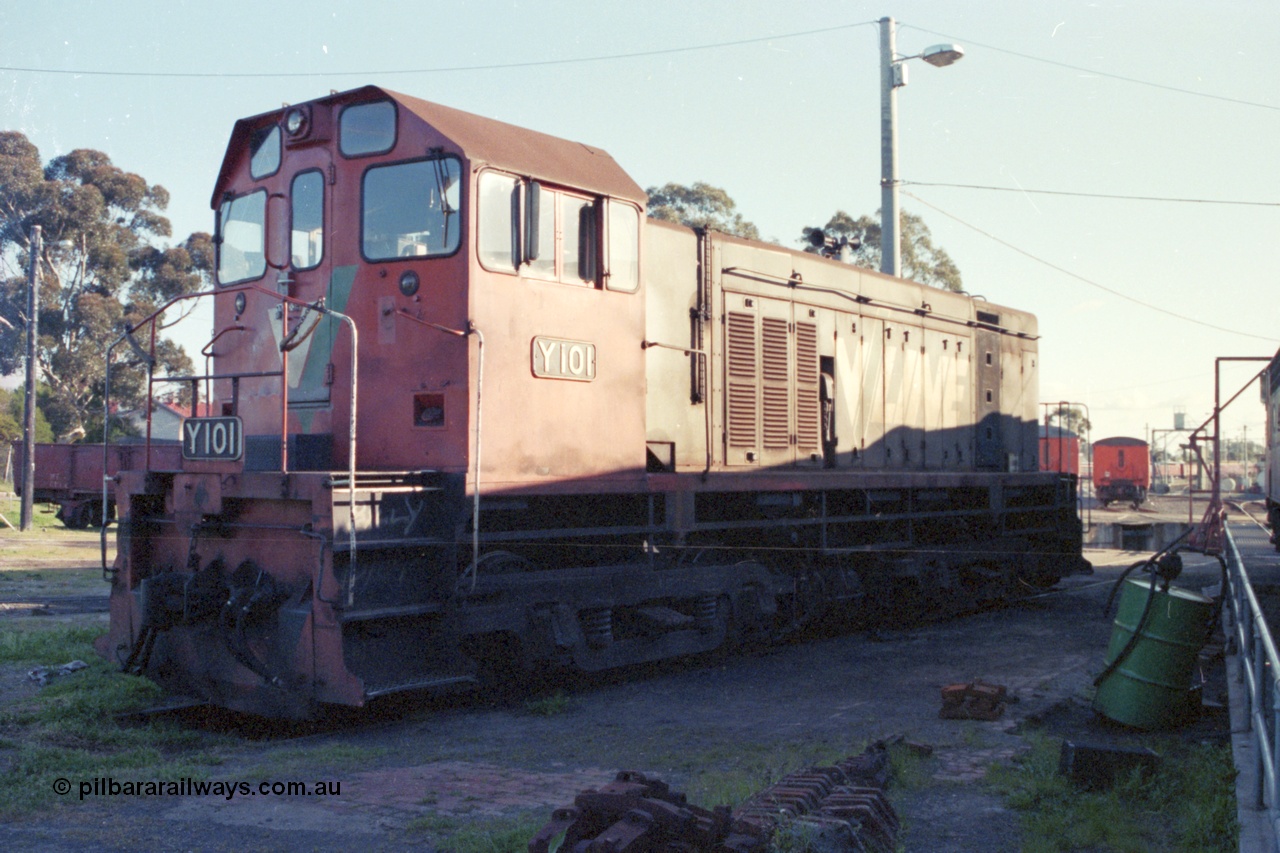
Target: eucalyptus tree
106	264
922	261
699	206
1071	418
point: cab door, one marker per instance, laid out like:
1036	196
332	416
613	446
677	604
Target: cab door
307	337
295	176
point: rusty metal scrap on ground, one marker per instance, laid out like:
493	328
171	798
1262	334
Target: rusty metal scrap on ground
973	701
843	807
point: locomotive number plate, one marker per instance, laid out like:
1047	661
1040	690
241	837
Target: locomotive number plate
212	438
554	358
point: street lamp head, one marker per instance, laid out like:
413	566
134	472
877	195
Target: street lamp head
940	55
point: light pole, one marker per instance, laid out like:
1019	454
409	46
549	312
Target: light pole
893	74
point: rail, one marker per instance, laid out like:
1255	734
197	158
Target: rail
1260	672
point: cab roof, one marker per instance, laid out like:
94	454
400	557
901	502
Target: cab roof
483	141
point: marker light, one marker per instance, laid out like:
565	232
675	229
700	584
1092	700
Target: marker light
295	121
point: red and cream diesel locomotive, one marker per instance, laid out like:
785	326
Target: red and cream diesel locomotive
475	410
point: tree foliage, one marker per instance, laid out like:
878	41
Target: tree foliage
103	269
1071	418
13	418
699	206
921	260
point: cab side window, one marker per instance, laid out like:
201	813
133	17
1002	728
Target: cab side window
499	223
624	247
554	234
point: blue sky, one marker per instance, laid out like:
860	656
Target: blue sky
1165	99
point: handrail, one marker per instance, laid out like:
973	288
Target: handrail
1260	672
152	320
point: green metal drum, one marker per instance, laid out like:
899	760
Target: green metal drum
1151	688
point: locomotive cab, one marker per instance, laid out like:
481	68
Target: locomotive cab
427	227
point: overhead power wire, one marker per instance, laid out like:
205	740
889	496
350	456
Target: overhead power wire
1093	71
1087	281
1092	195
443	69
608	57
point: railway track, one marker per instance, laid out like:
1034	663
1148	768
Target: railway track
54	605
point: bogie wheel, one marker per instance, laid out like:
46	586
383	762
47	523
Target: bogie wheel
89	516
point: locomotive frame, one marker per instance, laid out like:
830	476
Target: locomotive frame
583	438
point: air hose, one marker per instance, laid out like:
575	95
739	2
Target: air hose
1164	565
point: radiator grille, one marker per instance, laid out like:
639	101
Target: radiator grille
741	364
808	416
742	345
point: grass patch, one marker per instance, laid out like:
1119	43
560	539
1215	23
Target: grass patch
729	775
18	582
48	540
43	517
910	769
548	706
303	761
1188	804
46	647
508	834
68	731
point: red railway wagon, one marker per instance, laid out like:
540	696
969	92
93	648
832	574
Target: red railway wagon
1121	470
71	475
476	412
1059	450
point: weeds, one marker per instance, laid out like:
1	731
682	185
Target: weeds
548	706
47	647
910	769
44	516
1188	804
508	834
797	837
333	756
22	581
68	730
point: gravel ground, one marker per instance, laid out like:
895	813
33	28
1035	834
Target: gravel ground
414	762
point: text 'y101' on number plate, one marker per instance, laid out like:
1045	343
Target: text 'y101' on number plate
212	438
